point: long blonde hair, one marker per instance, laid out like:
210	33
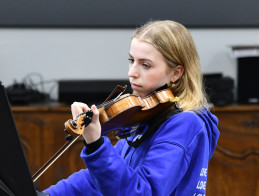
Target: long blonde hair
175	43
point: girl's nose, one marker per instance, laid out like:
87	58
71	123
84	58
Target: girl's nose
133	71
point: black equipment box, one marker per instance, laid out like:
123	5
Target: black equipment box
248	80
88	91
220	89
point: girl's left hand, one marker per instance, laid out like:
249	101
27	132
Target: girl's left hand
93	131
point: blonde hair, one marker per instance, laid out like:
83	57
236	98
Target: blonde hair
175	43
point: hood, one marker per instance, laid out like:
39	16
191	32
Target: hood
211	122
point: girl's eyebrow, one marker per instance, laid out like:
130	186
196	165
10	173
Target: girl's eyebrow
141	59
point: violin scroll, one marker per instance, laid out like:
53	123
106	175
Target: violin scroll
76	127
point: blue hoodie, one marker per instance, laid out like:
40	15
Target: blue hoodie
173	161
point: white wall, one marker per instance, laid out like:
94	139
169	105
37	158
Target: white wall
100	53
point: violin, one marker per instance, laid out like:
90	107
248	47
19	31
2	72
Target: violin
127	111
123	111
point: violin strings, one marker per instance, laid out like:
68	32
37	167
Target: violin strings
106	103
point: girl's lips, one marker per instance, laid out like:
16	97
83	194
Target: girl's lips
135	86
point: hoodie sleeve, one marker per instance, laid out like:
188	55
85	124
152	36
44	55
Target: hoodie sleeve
79	184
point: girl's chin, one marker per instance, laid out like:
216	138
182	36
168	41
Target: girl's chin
135	93
138	94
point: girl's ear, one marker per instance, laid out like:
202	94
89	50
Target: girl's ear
177	73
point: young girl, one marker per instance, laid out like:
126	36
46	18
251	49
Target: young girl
173	157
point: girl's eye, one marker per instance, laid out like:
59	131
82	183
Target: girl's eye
131	60
146	66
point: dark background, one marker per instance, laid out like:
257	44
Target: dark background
128	13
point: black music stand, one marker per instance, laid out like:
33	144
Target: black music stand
15	176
